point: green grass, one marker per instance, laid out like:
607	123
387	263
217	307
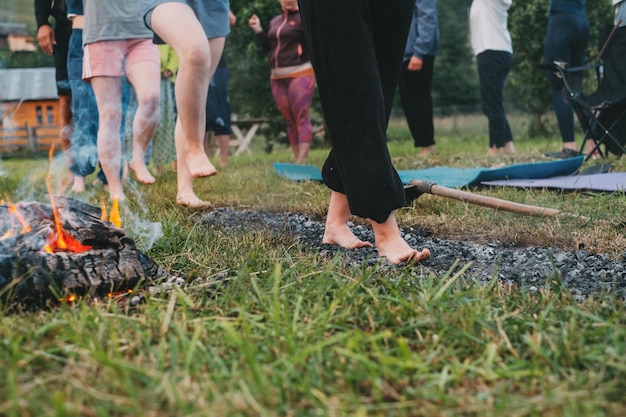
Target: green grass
297	335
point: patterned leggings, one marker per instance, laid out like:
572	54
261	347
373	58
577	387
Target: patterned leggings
293	97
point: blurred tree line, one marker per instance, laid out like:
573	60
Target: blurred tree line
455	84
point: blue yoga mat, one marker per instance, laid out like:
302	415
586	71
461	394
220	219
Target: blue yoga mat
454	177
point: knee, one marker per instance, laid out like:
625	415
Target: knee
198	59
149	104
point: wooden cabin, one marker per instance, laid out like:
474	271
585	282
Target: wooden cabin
12	30
29	109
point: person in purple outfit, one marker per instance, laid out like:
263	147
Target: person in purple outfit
291	73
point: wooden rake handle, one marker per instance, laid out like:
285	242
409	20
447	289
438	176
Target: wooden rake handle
481	200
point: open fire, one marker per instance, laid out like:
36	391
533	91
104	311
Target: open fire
66	250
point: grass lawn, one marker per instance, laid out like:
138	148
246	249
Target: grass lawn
294	334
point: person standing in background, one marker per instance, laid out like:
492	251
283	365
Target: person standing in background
196	31
566	42
55	42
492	46
83	147
218	113
356	48
291	76
416	78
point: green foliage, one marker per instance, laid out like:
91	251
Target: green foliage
23	59
455	81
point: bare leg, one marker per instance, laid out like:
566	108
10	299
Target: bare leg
79	184
108	92
392	246
493	151
590	145
198	60
303	151
145	79
295	149
185	196
223	145
337	231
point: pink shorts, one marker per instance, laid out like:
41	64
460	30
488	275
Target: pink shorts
113	58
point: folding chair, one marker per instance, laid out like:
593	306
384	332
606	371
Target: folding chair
602	114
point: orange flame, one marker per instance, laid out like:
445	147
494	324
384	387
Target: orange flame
13	210
115	214
64	240
104	210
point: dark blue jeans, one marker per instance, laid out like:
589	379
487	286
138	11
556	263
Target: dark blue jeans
493	68
566	41
83	150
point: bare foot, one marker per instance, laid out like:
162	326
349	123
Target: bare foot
199	165
79	184
342	235
397	251
427	150
392	246
492	152
116	195
141	172
193	201
508	148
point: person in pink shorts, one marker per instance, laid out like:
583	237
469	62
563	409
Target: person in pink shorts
117	44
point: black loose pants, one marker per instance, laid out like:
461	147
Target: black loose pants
356	48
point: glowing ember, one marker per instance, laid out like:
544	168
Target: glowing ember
73	297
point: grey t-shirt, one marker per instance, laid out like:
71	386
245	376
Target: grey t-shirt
107	20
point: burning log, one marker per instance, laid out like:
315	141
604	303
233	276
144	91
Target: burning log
58	252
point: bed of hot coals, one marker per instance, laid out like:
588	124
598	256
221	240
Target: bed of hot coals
581	272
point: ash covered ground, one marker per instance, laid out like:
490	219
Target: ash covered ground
581	272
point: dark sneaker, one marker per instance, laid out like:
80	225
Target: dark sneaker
562	154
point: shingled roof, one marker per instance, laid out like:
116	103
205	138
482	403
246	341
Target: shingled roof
27	84
8	28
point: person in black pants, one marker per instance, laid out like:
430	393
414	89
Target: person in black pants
55	41
357	48
567	36
416	78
